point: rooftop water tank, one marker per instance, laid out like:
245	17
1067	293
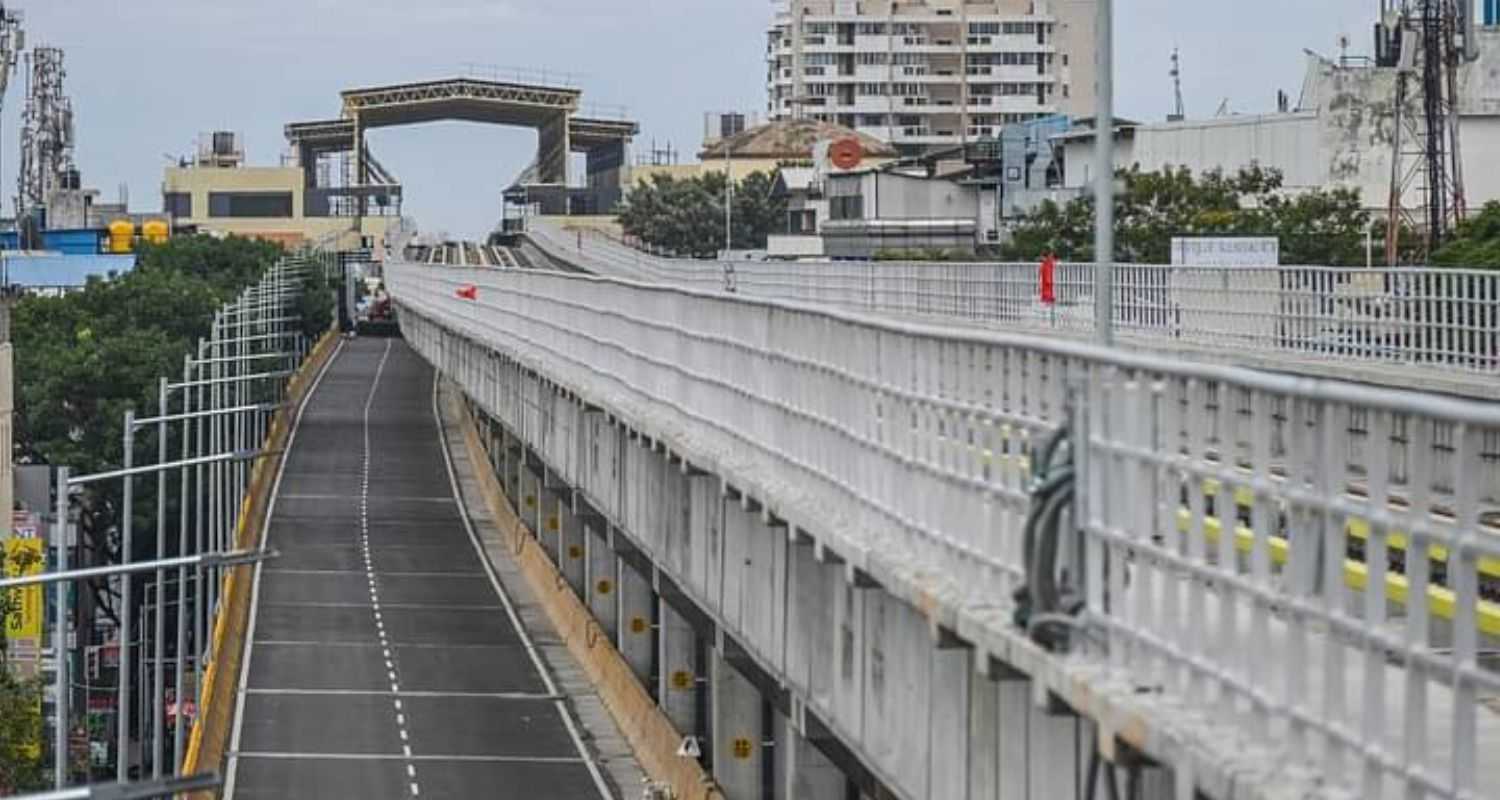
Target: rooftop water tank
156	231
121	236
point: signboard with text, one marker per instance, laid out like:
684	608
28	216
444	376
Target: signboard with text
1226	251
24	556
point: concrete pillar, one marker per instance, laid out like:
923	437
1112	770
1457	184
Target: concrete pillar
802	771
571	550
550	513
529	503
633	629
947	722
553	149
603	588
736	731
1054	744
677	658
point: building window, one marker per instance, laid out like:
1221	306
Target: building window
871	29
870	59
852	207
250	204
177	204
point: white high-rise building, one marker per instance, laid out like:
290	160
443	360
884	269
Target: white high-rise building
930	73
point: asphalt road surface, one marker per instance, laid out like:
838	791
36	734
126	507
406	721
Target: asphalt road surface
384	662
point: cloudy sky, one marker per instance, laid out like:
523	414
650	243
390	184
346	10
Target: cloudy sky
147	76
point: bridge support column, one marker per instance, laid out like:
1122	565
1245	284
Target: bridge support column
551	515
677	686
802	771
530	499
602	584
570	548
634	628
947	721
737	710
552	150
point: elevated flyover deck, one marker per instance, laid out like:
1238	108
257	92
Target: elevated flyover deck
384	661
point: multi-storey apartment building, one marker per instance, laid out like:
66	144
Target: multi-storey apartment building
930	73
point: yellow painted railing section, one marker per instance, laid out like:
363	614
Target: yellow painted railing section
209	740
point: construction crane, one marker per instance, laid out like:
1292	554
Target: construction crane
1426	41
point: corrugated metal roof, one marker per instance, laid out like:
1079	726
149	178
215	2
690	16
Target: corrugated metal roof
54	270
792	139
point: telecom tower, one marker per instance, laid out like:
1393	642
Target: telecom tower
1177	114
1426	41
12	41
46	134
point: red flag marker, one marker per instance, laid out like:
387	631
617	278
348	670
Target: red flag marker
1049	279
468	292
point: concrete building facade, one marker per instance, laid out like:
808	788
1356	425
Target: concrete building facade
1338	134
875	211
217	193
930	73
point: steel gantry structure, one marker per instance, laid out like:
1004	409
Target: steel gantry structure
550	110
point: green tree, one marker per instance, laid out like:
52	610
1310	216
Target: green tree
1318	227
1476	244
686	217
21	767
83	359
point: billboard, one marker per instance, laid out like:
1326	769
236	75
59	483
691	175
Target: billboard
1226	251
25	555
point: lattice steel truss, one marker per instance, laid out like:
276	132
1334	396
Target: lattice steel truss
1426	157
46	132
461	89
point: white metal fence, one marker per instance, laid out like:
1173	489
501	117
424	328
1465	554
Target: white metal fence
1416	316
1307	621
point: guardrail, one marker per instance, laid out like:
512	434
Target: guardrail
1444	318
908	445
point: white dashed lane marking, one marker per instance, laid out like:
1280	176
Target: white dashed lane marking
364	537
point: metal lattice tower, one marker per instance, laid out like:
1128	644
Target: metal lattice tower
1176	74
1434	40
12	40
46	131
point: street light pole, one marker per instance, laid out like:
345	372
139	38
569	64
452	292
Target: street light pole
159	630
1104	176
60	637
182	550
122	711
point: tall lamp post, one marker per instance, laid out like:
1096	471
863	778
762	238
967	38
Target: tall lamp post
1104	176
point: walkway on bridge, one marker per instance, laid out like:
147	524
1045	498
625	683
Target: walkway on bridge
384	660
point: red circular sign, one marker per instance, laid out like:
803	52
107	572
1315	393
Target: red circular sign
846	153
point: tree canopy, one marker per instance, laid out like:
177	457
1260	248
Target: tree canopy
685	217
1324	226
1476	243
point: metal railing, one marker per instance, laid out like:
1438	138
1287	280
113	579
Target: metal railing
218	416
1447	319
1239	530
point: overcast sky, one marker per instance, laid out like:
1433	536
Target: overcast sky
147	76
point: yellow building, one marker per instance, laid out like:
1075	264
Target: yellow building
218	194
